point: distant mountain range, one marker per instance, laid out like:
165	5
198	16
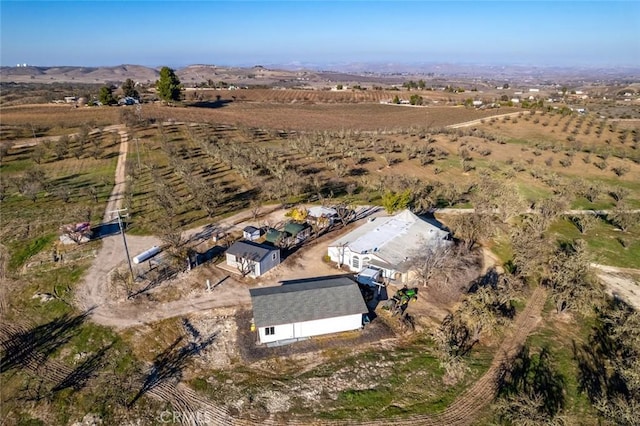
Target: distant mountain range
299	74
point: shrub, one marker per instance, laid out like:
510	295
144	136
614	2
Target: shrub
601	164
620	170
566	162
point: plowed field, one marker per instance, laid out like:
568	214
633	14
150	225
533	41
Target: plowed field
290	116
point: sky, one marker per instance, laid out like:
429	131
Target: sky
247	33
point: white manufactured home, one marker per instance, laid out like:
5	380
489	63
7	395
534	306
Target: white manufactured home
305	308
388	244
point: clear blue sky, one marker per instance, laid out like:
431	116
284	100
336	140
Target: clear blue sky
598	33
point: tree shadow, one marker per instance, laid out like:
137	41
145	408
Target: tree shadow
162	273
79	377
595	358
457	336
527	374
37	344
170	363
218	103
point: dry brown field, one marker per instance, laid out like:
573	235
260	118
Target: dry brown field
361	116
323	96
233	156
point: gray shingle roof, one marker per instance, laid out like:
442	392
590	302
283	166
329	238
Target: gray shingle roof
250	250
306	300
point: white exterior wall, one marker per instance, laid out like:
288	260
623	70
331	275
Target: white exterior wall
231	261
327	326
282	332
336	253
260	268
340	255
311	328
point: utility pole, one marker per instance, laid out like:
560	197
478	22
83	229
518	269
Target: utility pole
120	214
137	151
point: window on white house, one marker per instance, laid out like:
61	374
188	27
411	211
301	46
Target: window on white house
355	262
269	331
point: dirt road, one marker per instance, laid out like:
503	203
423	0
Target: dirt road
479	121
95	292
621	282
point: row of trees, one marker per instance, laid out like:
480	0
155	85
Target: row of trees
106	94
168	88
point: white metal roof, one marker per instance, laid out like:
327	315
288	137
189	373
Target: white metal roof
319	211
393	238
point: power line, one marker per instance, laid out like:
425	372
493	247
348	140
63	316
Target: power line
120	214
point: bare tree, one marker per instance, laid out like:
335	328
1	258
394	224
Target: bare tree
38	154
573	284
255	206
61	147
472	228
497	197
5	147
345	213
245	264
123	279
619	193
623	216
585	222
428	262
531	247
547	210
63	192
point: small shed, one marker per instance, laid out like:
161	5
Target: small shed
323	216
298	231
251	258
277	238
305	308
251	233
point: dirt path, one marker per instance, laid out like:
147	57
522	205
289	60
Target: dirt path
480	120
621	282
461	412
454	211
28	142
195	409
117	193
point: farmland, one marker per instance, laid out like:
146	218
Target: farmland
204	160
